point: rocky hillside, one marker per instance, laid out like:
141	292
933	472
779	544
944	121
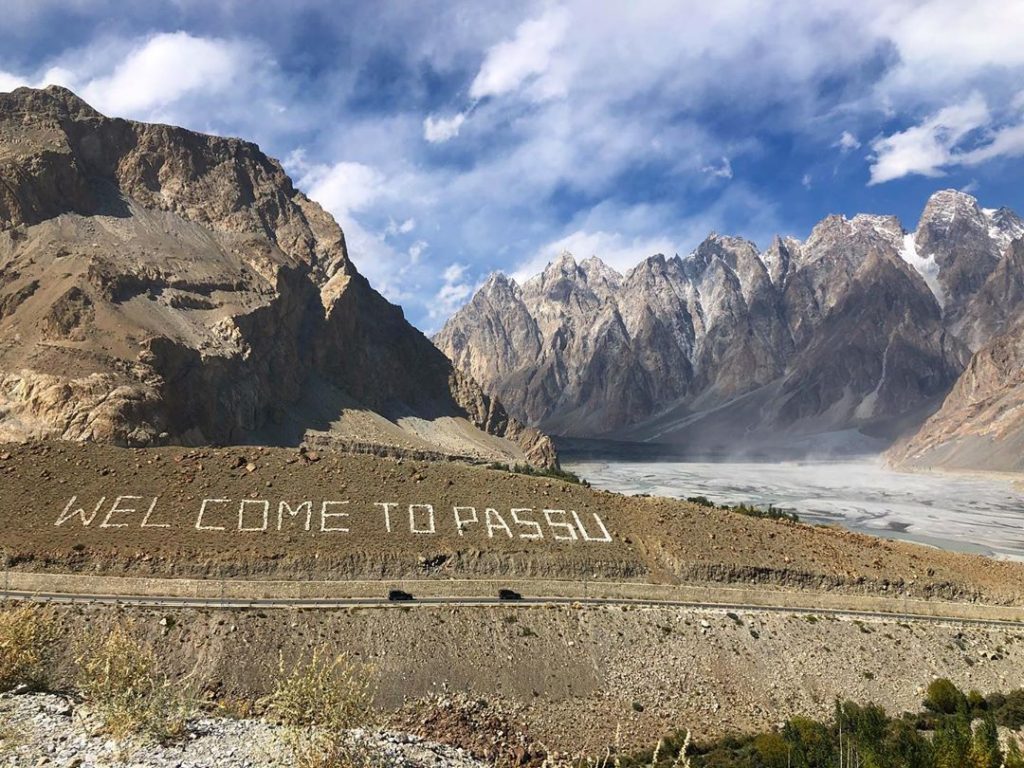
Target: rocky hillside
981	423
860	331
164	286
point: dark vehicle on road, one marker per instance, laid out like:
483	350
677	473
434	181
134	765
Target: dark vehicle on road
399	596
509	594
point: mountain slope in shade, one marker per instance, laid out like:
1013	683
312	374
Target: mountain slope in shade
163	286
863	329
981	423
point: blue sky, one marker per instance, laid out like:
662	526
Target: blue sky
451	139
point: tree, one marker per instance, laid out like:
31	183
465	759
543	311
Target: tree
952	742
944	697
985	752
906	747
1014	758
773	750
810	741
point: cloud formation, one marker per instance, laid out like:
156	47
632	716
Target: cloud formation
944	140
453	138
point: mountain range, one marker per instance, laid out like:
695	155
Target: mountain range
847	341
160	286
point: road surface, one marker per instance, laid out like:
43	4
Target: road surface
154	601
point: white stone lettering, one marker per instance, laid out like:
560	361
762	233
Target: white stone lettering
492	515
570	532
308	505
386	505
114	509
531	524
462	522
149	513
202	511
84	516
324	514
263	504
244	515
604	538
430	518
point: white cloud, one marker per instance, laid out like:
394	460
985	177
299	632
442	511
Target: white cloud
9	81
396	228
624	236
927	148
847	142
569	95
165	68
528	54
341	188
440	129
612	248
721	171
946	43
210	84
806	181
452	294
1007	141
416	251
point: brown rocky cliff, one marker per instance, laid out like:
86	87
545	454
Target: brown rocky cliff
160	285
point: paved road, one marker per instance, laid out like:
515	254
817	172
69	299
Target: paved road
150	601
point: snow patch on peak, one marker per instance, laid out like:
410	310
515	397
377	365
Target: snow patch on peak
1004	226
887	227
925	266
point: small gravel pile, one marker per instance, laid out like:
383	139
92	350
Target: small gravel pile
52	730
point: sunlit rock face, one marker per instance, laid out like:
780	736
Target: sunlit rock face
163	286
864	327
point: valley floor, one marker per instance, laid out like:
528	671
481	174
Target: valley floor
962	512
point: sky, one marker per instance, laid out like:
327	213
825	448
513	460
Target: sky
452	139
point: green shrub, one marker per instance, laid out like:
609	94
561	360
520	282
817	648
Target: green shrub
556	473
944	697
771	512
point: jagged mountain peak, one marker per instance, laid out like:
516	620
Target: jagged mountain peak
51	99
656	267
778	257
950	200
561	268
727	344
596	269
499	281
498	289
1005	225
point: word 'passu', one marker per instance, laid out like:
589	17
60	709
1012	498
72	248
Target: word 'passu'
264	516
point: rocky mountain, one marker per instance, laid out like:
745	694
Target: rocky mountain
163	286
857	332
981	423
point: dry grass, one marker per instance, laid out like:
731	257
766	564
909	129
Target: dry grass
27	637
321	700
11	737
120	676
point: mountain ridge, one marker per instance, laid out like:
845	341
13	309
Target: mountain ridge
862	327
